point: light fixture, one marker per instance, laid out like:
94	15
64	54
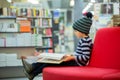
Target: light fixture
72	2
33	1
9	1
88	6
93	1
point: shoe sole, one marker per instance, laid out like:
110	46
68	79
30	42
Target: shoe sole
25	67
27	75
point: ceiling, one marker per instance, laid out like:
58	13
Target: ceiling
51	4
63	4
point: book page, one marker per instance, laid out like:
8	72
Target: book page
54	56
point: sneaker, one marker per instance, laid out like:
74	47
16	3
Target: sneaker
27	66
29	76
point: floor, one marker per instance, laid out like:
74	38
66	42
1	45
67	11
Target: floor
19	69
36	78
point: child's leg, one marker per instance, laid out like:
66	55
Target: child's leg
38	67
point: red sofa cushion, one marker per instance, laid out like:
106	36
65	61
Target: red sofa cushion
112	76
75	73
106	50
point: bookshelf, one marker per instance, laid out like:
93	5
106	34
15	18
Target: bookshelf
23	31
22	41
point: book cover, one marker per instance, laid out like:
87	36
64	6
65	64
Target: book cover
40	12
23	12
27	39
5	26
5	12
44	60
34	12
25	26
2	42
33	40
50	50
20	39
29	12
1	26
48	32
12	27
1	11
11	42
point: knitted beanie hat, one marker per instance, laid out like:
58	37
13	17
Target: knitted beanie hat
83	25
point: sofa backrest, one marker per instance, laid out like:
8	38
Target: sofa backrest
106	48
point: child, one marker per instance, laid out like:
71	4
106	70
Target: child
79	58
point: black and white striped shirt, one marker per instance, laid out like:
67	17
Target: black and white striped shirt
82	53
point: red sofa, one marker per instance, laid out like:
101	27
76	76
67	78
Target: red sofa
104	63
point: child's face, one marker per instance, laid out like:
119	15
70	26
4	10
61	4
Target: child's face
78	34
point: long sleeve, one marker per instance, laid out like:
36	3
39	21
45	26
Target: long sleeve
82	54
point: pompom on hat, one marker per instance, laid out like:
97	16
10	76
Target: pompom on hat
83	25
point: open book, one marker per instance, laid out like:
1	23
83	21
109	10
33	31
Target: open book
55	58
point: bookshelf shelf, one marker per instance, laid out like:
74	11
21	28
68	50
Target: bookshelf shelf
14	17
46	36
37	17
15	32
7	17
45	47
43	27
18	47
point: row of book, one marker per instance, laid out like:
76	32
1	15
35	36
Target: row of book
45	32
24	12
48	42
21	26
41	22
20	40
9	60
47	51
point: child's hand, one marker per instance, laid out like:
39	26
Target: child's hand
68	58
23	57
36	53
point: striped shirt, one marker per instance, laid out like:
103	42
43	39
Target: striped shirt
82	53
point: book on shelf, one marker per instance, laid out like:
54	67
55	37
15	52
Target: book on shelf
11	42
9	27
47	42
47	32
2	42
25	25
46	22
13	27
29	12
3	27
48	50
23	12
36	40
3	11
20	41
53	58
